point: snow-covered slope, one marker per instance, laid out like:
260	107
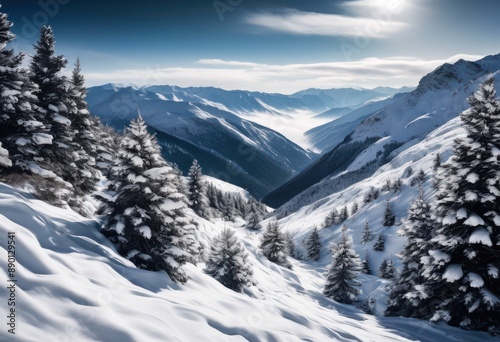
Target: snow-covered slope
73	286
227	146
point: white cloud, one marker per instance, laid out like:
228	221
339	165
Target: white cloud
321	24
366	73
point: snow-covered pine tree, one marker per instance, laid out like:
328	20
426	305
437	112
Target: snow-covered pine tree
367	234
379	245
354	208
107	147
21	133
406	297
389	217
397	185
196	189
144	210
331	218
365	265
386	269
273	244
291	251
52	110
313	245
228	262
253	219
84	140
341	282
344	215
467	238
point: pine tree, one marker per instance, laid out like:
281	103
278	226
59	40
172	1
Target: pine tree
365	265
386	269
379	245
228	262
290	245
21	132
467	238
46	70
313	245
144	210
397	185
389	217
253	219
344	215
331	218
367	234
196	189
354	208
437	162
107	147
84	140
341	283
273	244
405	299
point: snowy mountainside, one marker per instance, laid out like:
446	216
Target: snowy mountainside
440	96
329	135
227	146
72	285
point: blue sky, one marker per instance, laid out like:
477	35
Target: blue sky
273	46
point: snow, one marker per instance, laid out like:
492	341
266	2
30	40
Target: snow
42	138
145	231
482	236
94	294
472	178
475	280
474	221
453	273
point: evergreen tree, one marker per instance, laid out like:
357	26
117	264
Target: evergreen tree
84	144
145	211
344	215
313	245
107	147
52	109
379	245
467	239
365	265
389	217
404	299
437	162
273	244
341	283
397	185
290	245
367	234
228	262
331	218
21	132
386	270
196	189
253	219
355	208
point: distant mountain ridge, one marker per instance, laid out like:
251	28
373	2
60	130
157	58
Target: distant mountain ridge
376	137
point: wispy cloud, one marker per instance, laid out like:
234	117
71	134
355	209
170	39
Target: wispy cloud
367	73
371	18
